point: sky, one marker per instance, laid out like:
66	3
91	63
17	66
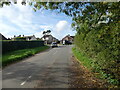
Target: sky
18	19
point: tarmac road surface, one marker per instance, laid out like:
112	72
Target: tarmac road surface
48	69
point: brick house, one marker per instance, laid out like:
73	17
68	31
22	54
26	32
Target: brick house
67	39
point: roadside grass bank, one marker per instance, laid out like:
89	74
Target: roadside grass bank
17	55
95	69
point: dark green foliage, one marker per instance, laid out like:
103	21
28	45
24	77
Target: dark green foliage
102	45
20	39
8	46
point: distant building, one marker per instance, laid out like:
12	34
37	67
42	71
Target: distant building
2	37
67	39
26	38
49	39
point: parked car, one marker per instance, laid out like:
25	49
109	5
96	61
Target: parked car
66	42
54	44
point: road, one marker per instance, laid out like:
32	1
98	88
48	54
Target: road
48	69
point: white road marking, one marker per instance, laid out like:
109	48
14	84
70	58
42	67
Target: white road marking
55	53
23	83
25	80
29	76
9	73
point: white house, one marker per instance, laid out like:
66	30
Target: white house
27	38
49	39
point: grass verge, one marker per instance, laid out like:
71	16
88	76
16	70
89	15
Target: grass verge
20	54
82	58
89	64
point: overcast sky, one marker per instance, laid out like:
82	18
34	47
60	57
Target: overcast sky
18	19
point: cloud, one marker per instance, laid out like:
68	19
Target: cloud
7	30
61	25
38	34
61	29
46	27
17	13
19	19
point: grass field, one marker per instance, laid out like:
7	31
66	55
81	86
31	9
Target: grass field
20	54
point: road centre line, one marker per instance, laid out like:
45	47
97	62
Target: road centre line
55	53
9	73
25	80
30	76
23	83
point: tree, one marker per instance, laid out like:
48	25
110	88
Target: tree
48	31
44	32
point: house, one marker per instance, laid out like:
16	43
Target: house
24	38
49	39
67	39
29	38
2	37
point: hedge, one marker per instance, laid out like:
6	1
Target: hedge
8	46
102	45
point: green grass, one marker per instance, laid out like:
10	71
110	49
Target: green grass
20	54
82	58
87	62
